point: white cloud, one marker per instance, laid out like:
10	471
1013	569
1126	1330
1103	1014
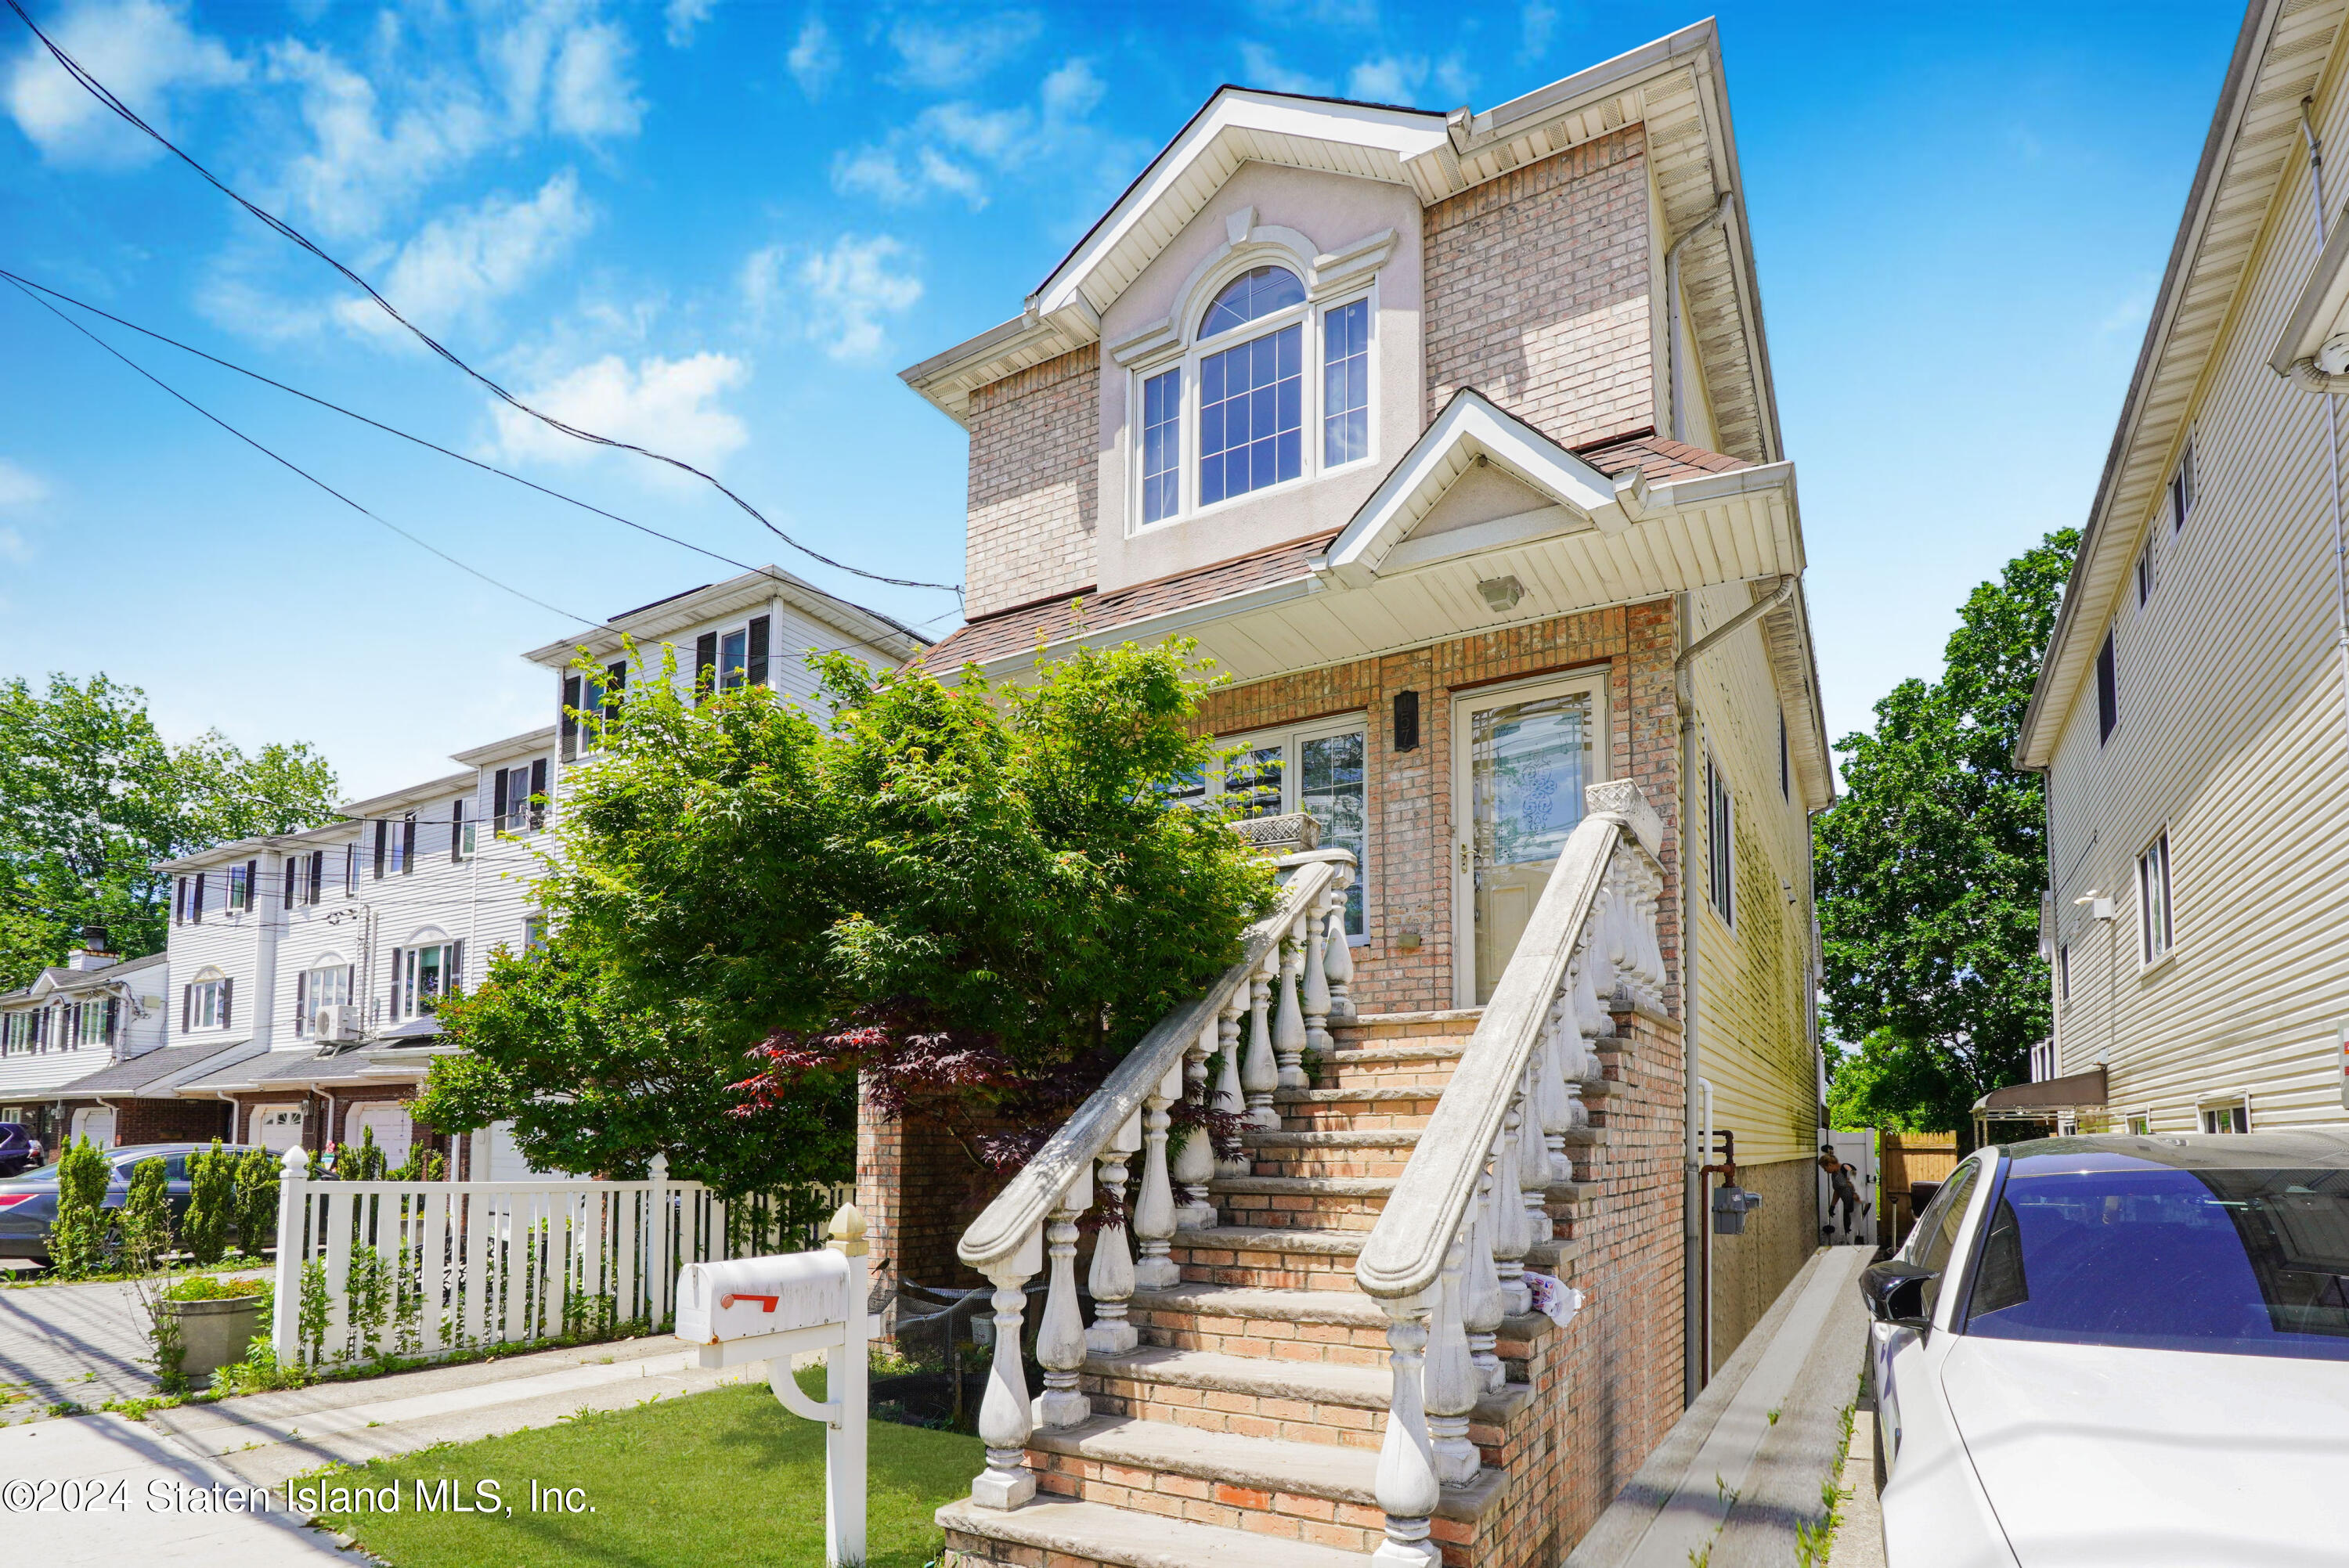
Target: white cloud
19	486
1260	68
836	298
462	261
669	405
363	156
682	16
144	50
936	56
1399	78
1539	18
814	58
591	94
951	147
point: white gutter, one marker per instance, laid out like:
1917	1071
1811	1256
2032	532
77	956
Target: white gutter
1672	312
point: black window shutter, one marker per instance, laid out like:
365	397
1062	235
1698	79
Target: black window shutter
456	830
570	717
453	981
2108	703
615	677
382	846
196	899
754	663
228	990
113	1015
395	984
178	900
407	845
301	1003
317	872
289	872
187	1007
538	794
498	800
705	664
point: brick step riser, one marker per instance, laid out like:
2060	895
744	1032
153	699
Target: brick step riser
1356	1116
1337	1072
1243	1415
1297	1212
1386	1163
1273	1271
1270	1340
1350	1527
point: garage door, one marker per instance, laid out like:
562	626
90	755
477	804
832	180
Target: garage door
277	1128
97	1125
499	1160
392	1128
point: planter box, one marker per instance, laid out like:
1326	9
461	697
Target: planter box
214	1332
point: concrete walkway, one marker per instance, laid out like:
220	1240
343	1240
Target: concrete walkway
85	1344
1740	1477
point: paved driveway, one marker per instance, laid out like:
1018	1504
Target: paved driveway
86	1344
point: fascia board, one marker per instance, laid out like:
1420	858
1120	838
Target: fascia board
720	600
511	747
414	794
1171	622
1404	133
2317	311
245	849
1604	79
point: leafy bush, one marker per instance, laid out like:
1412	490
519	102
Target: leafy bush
256	1202
146	1227
212	1200
79	1234
211	1287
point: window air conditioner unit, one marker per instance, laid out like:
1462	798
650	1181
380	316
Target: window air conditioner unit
334	1024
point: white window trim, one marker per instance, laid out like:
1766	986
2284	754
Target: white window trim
2148	960
2145	1116
2222	1100
1714	771
1191	349
1291	739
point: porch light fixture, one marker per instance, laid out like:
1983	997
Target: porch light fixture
1501	594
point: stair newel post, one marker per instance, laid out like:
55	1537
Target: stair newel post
1532	1156
1406	1487
1481	1304
1153	1213
1111	1279
1229	1097
1259	1070
1289	1038
1450	1379
1005	1420
1337	952
1316	997
1509	1238
1195	1165
1061	1333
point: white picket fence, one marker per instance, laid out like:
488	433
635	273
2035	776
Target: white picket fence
425	1269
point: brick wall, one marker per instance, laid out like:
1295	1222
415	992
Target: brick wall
168	1121
1034	483
1538	293
919	1191
1407	893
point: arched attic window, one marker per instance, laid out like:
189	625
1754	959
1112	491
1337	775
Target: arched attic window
1258	291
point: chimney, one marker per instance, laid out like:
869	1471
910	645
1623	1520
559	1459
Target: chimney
94	951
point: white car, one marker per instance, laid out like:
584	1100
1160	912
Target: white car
2120	1350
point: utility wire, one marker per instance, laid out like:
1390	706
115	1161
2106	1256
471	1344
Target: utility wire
264	451
105	95
24	283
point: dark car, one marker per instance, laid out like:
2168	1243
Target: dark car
18	1152
28	1203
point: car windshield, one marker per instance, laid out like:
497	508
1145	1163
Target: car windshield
2230	1261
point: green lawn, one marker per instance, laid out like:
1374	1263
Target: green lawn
712	1479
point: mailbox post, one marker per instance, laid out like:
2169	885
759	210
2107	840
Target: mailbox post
768	1309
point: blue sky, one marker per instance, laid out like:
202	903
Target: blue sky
721	228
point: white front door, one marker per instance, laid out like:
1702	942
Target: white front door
96	1124
394	1130
1522	757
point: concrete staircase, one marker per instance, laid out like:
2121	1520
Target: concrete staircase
1246	1428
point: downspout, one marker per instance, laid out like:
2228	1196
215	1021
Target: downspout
2306	376
1675	413
1696	1309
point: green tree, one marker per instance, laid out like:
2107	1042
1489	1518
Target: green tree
79	1235
91	797
748	906
256	1202
147	1216
1931	867
211	1203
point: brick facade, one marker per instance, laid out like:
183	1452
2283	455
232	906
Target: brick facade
1407	898
1539	292
919	1191
1034	483
157	1120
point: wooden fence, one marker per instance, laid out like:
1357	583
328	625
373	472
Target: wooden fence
1903	1160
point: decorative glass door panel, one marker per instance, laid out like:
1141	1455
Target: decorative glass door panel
1528	756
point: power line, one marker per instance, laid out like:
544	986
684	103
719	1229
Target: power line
264	451
24	283
105	95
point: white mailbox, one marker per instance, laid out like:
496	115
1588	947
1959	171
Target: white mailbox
752	1298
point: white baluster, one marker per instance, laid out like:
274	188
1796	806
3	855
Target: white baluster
1289	1020
1406	1487
1195	1165
1229	1097
1005	1420
1509	1238
1338	959
1533	1161
1153	1213
1481	1306
1450	1379
1060	1334
1111	1279
1556	1105
1316	997
1588	1015
1259	1069
1597	957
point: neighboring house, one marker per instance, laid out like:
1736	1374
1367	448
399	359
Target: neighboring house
2197	665
1452	439
87	1013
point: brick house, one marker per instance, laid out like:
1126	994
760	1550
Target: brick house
1451	439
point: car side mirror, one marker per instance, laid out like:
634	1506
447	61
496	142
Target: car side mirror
1895	1292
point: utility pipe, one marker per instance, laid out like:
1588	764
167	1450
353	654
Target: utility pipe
2309	377
1672	380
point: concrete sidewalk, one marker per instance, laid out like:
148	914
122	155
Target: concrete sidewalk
1740	1477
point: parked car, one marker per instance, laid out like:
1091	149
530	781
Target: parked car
29	1202
2119	1350
18	1152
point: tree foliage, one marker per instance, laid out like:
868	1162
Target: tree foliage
208	1224
91	796
146	1228
79	1235
1930	867
984	889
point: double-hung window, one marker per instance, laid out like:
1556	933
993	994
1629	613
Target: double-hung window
205	1001
422	975
518	797
325	984
732	658
2181	489
1317	768
2153	897
1720	840
1275	388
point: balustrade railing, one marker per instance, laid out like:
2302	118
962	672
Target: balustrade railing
1446	1258
1258	1017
